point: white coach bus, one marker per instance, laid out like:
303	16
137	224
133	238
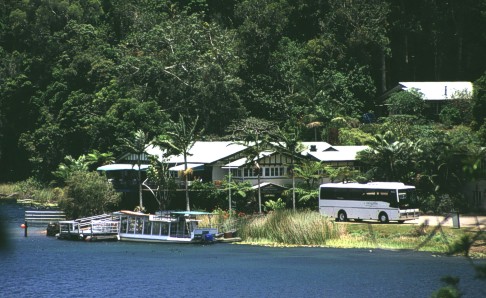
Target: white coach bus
382	201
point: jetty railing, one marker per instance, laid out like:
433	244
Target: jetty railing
72	229
104	227
85	222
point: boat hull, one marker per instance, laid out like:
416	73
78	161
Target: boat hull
161	239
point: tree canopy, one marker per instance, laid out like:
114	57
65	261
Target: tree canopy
78	76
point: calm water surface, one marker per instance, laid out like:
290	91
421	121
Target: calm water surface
40	266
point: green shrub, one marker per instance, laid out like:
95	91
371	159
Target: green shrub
272	205
87	194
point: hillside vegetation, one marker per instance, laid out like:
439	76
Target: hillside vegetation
78	78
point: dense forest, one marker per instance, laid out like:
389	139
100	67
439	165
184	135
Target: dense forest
80	75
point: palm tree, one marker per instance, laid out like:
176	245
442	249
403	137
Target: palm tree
311	172
314	125
179	139
96	158
254	134
71	165
288	142
158	174
389	158
137	146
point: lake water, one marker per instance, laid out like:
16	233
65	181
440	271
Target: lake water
40	266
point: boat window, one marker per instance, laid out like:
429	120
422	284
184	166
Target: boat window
156	228
147	227
164	229
138	225
124	223
131	225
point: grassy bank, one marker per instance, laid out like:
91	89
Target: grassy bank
287	228
31	193
6	190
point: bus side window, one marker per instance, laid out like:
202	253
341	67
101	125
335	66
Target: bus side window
392	198
327	193
340	194
368	195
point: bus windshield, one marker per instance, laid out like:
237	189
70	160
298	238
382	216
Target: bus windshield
407	198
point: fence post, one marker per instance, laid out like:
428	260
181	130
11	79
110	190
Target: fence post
455	220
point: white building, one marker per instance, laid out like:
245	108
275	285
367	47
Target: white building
213	161
435	94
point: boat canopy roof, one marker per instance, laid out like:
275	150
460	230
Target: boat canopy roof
191	212
165	212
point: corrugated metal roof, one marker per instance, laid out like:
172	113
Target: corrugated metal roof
317	146
343	153
189	166
211	152
265	184
242	161
438	90
208	152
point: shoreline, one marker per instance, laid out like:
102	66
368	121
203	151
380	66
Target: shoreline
417	235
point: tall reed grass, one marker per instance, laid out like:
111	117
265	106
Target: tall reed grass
7	189
290	227
32	192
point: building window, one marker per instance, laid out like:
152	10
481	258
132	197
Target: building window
265	172
249	172
275	171
235	172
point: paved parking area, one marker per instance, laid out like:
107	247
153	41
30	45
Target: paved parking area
464	221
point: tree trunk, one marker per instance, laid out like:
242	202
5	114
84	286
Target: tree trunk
383	71
293	183
139	176
459	54
188	207
259	194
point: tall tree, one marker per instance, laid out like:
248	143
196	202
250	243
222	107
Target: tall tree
188	65
287	141
255	134
137	145
390	158
179	139
158	174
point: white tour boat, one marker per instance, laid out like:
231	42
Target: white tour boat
166	226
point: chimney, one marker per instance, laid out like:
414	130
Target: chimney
313	148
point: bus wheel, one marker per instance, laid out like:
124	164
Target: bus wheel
383	217
342	216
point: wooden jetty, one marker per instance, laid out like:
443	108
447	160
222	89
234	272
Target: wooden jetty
40	217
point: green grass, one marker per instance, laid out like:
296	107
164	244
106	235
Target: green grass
287	228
